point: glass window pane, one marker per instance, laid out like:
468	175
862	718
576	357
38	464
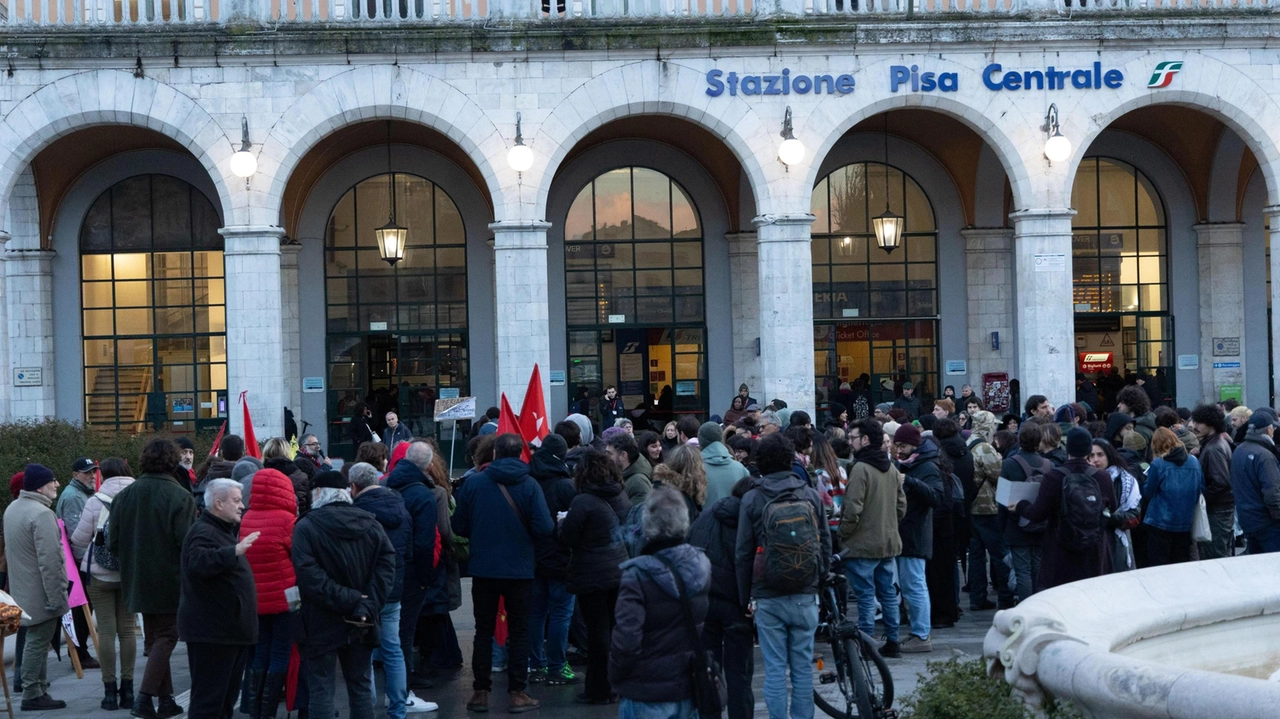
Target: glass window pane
95	233
174	320
131	214
131	266
170	265
415	209
921	248
818	205
848	198
919	214
99	352
96	294
578	223
652	198
449	227
1084	194
172	227
171	293
686	254
684	215
1116	205
613	205
653	254
133	322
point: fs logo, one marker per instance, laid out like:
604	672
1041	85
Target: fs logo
1163	74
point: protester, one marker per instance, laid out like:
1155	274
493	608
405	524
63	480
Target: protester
610	407
84	474
907	401
1239	418
917	459
1172	490
396	431
149	520
786	607
310	458
114	619
1134	401
652	646
1128	513
1022	537
684	472
278	455
552	604
1215	449
1255	483
874	503
217	615
591	531
650	448
37	578
345	567
502	512
986	544
722	470
186	474
637	473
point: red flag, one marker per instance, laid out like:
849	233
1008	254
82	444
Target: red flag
500	630
508	423
250	441
533	412
291	680
217	441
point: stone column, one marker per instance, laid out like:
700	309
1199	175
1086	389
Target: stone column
1221	251
6	373
786	310
988	262
29	291
523	318
744	268
291	327
1272	213
1045	316
255	351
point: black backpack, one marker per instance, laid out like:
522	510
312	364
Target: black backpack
1034	474
1080	529
791	543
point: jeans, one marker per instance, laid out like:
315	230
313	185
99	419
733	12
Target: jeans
322	677
35	658
1222	525
275	643
215	678
916	592
597	611
986	543
549	619
786	626
1267	540
1026	567
160	636
872	579
728	636
484	597
393	667
628	709
114	620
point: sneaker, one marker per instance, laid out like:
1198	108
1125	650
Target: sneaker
983	606
412	704
891	650
521	702
917	645
538	676
42	703
562	677
498	668
479	702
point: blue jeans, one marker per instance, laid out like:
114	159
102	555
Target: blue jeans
628	709
275	643
785	626
393	661
872	579
916	591
1026	568
549	622
1262	542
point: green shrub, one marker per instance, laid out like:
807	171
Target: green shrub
961	689
57	443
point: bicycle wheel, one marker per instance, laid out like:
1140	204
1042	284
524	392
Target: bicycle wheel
832	687
861	680
875	669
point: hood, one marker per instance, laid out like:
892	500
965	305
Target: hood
584	425
607	491
342	520
386	506
691	562
111	487
220	469
397	453
726	511
874	456
1178	455
282	465
273	490
953	446
779	482
508	470
546	466
1058	456
926	452
640	466
1115	421
716	455
404	475
1146	420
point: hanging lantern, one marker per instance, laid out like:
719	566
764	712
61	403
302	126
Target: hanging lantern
391	236
888	229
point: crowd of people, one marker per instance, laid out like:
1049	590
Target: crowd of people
606	541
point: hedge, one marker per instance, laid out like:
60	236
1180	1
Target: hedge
961	688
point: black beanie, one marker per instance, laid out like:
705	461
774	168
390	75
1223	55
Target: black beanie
1079	443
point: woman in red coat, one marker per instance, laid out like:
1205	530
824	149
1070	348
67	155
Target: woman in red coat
272	512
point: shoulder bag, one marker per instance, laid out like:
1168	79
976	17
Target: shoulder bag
710	695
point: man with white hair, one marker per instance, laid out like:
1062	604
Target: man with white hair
345	568
395	431
218	607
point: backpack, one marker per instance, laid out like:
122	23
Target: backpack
99	554
1081	527
1034	474
790	544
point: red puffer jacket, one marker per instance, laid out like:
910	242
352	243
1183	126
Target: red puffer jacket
273	511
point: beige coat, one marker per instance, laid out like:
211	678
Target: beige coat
37	565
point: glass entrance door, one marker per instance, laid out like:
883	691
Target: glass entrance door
884	351
659	371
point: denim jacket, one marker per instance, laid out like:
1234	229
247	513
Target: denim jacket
1174	484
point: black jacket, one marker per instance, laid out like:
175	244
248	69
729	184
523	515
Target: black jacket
925	491
592	532
716	533
1010	469
218	603
550	556
346	567
1088	394
1215	462
426	569
388	508
751	532
962	466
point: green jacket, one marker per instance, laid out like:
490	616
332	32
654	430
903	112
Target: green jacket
149	520
874	503
723	471
638	480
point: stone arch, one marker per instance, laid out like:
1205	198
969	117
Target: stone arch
657	88
372	93
112	97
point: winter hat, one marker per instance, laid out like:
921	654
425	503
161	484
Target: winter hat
554	445
329	478
1136	442
1079	443
709	432
184	442
245	468
836	409
884	407
606	435
754	407
1262	417
1115	421
891	428
908	434
15	484
36	476
1064	415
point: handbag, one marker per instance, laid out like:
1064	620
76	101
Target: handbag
710	694
1200	531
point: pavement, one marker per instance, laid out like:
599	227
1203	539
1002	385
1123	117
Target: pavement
83	695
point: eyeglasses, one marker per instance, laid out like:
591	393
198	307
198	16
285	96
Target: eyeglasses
311	444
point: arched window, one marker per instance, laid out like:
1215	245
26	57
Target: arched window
634	291
154	315
875	312
397	335
1120	259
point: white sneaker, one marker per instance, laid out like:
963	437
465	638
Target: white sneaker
414	705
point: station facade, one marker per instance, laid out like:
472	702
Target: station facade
655	241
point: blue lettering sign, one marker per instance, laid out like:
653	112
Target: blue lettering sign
782	84
995	78
900	75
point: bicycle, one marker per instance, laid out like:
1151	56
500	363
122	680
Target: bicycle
859	684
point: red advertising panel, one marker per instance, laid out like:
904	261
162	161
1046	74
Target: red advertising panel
1096	361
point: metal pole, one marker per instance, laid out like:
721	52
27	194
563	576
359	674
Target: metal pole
453	446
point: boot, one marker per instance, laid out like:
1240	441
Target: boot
126	693
272	693
167	708
142	707
521	702
479	701
251	692
110	701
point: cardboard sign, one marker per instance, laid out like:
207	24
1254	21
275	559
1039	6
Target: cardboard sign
453	410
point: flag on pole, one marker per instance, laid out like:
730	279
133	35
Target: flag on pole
533	411
217	441
250	441
508	423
